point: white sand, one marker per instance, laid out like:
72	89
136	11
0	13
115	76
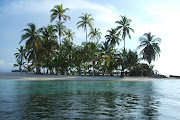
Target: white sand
35	77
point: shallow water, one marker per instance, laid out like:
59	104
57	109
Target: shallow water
149	100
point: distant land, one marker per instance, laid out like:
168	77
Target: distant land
5	70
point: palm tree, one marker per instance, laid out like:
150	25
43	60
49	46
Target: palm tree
150	45
130	59
19	64
31	36
50	39
78	58
106	55
92	53
20	55
69	34
124	27
49	45
62	29
95	34
113	37
106	48
86	20
59	12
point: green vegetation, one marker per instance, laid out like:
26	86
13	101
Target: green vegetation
42	54
150	47
59	12
86	20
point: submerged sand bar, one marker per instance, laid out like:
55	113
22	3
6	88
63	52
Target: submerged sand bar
36	77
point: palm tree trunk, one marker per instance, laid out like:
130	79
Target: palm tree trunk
60	34
86	34
122	73
47	71
21	66
124	45
35	60
60	39
43	70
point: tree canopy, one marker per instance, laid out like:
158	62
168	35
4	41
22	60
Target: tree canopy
42	54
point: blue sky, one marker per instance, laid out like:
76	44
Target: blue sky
161	17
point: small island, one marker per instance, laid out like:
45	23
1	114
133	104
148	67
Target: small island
51	50
89	60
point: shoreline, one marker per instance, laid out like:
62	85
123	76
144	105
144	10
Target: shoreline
36	77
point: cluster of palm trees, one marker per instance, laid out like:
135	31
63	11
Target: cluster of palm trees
43	54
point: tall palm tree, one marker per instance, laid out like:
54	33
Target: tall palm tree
124	27
78	58
106	54
49	46
113	37
59	12
150	45
31	36
93	53
62	29
95	34
20	55
69	34
86	20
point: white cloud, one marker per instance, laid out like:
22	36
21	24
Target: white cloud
166	25
1	62
5	65
169	15
32	10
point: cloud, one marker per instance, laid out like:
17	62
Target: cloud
5	65
165	16
169	15
1	62
19	7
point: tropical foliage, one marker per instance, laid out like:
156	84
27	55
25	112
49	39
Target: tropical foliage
124	28
32	38
150	45
59	12
86	20
20	56
43	54
95	35
113	37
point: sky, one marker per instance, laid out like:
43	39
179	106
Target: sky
161	17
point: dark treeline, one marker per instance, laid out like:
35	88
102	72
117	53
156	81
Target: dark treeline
43	54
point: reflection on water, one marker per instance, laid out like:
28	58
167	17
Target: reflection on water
82	99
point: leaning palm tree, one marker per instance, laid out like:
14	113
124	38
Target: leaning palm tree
95	34
150	45
113	37
20	55
124	27
86	20
59	12
31	36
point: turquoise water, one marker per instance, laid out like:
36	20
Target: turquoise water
32	100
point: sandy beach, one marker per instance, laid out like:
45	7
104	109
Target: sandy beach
35	77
